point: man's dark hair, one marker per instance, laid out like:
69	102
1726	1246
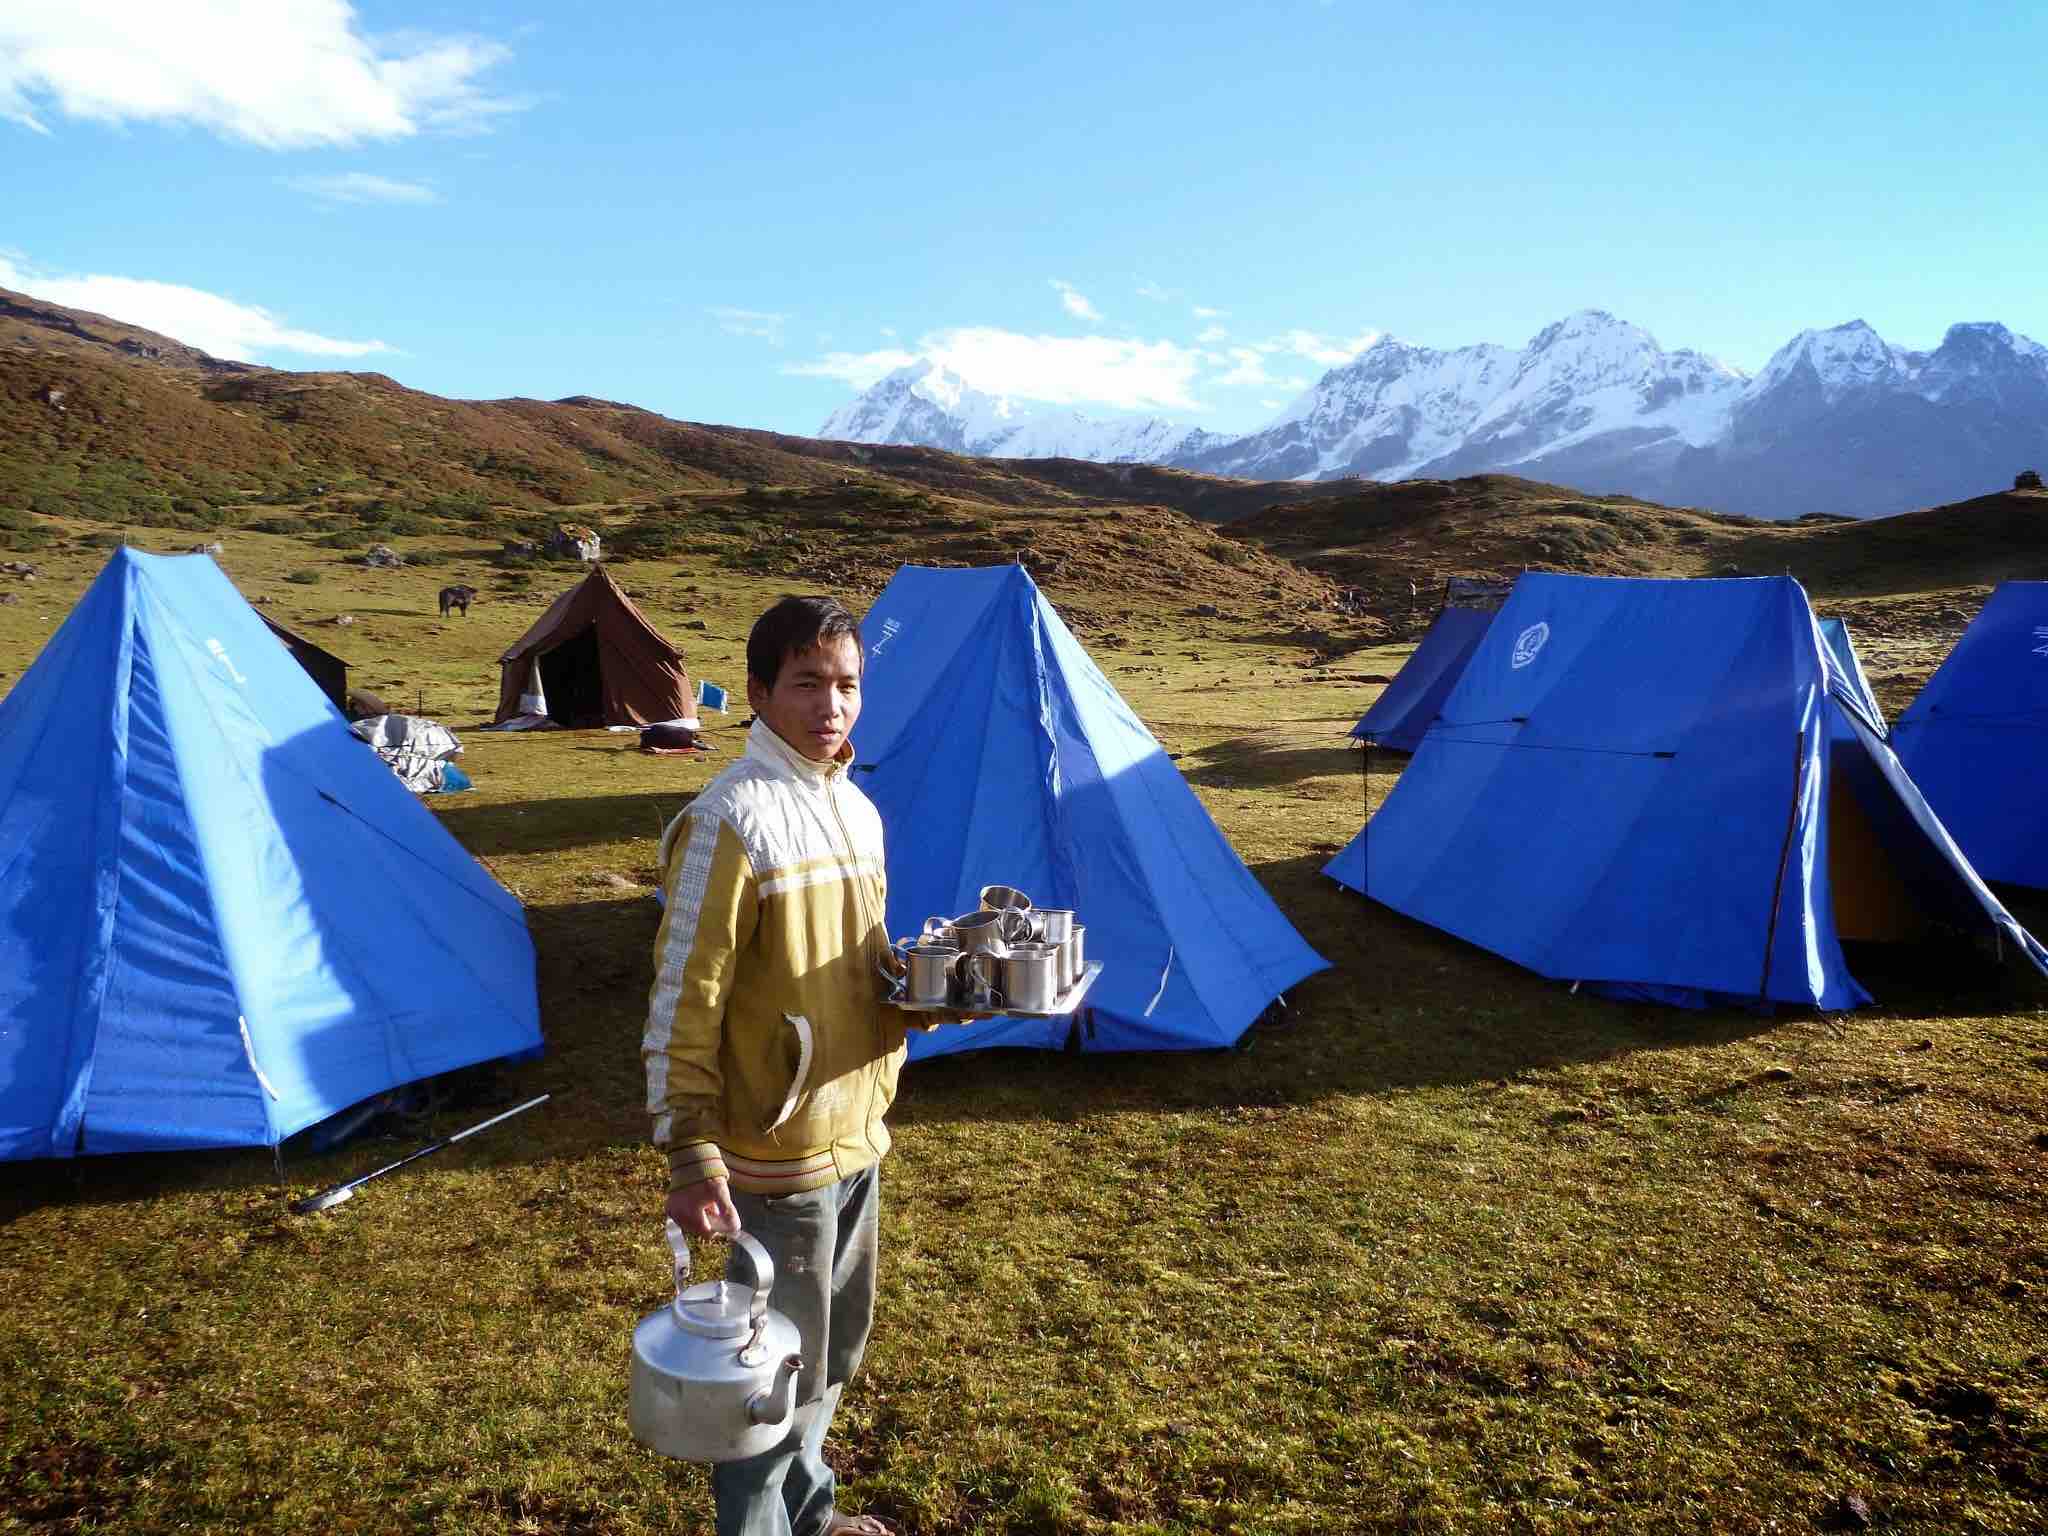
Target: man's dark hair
796	624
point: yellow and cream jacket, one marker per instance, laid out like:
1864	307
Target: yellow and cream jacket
770	1057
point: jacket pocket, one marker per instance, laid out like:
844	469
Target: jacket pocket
800	1080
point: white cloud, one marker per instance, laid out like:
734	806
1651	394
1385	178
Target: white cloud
199	319
1074	303
1202	313
1319	349
1247	371
280	74
1154	292
1071	370
1057	370
361	187
1114	372
856	369
764	325
889	331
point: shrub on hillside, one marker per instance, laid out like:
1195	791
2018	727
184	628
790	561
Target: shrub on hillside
1228	552
2027	480
356	540
196	512
388	521
20	530
459	509
302	578
645	540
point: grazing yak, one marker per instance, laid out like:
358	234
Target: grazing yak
457	597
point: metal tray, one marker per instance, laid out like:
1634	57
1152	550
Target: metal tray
1065	1003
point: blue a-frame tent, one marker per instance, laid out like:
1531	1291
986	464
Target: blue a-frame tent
998	753
222	918
1667	789
1408	704
1976	738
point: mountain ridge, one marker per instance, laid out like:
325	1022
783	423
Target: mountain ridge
1838	420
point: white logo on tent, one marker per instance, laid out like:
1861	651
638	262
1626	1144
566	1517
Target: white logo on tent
219	653
890	630
2041	634
1527	644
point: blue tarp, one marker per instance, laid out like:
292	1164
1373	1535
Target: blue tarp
1976	738
998	753
1403	711
1628	788
222	919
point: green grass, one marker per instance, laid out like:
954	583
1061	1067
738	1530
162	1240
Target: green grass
1443	1249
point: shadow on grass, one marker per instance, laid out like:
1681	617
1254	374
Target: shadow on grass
549	826
1246	762
1404	1007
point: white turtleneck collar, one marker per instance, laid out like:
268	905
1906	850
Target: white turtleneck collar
762	742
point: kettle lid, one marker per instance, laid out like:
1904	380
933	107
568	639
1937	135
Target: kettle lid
718	1309
721	1309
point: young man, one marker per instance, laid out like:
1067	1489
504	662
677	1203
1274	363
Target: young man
770	1057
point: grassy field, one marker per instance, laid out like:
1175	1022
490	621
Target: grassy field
1444	1249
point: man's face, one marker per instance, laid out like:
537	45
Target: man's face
816	698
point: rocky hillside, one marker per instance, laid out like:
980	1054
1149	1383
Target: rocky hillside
1907	584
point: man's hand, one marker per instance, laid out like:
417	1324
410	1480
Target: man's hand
704	1209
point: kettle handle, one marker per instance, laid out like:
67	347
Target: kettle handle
680	1246
764	1276
764	1266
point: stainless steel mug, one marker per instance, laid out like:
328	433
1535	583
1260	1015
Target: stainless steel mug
1054	923
1004	898
989	930
1031	977
929	976
976	980
1075	951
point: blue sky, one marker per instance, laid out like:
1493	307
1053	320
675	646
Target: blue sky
742	214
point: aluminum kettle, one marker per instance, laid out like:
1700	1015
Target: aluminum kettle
715	1371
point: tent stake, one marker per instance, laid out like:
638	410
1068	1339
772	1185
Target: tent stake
334	1195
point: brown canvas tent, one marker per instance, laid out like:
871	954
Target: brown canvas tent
324	667
597	661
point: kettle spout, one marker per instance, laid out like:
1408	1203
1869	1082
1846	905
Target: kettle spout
774	1403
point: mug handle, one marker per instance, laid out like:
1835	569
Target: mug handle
972	957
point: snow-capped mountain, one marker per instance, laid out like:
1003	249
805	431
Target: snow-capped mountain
1839	420
1842	421
1384	414
929	405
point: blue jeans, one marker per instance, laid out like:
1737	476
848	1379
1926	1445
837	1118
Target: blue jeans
823	1245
